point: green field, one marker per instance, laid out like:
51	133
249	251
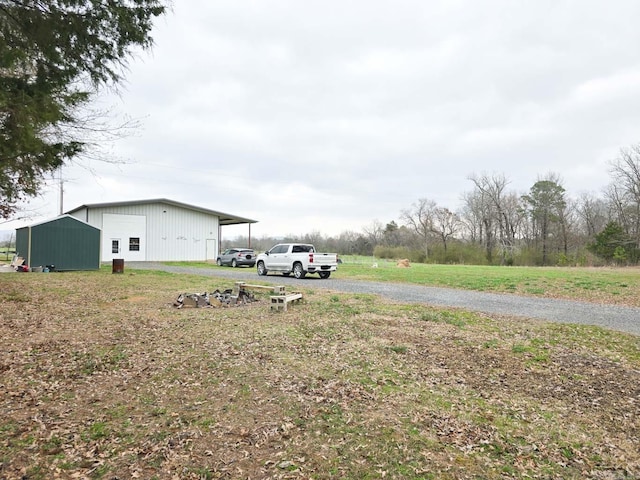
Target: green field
615	285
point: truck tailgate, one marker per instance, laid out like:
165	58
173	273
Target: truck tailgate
323	259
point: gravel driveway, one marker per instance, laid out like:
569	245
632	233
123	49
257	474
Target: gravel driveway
626	319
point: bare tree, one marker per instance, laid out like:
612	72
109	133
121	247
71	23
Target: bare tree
568	224
419	218
514	218
445	224
315	237
625	190
592	214
350	242
374	232
471	217
491	194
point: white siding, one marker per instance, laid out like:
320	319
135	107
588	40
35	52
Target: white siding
122	228
212	249
172	233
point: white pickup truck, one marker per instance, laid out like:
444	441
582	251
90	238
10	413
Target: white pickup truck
296	258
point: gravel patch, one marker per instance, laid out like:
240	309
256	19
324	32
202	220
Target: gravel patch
625	319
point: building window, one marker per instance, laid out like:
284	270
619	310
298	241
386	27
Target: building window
115	246
134	244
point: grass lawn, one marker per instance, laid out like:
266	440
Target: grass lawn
6	254
101	377
607	285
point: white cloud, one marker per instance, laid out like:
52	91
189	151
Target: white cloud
601	91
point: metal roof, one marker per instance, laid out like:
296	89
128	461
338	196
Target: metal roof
43	222
225	218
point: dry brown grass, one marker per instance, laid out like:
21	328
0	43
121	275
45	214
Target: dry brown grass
102	378
404	263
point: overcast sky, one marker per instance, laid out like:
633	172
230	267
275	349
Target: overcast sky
329	115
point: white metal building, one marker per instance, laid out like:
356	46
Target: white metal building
157	230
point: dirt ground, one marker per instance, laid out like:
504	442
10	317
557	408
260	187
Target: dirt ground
101	377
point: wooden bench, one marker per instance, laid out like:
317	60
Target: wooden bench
279	290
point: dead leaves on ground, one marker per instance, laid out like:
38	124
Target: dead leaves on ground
103	378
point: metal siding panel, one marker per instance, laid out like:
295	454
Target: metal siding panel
84	216
97	215
22	242
123	227
173	233
180	234
65	243
95	218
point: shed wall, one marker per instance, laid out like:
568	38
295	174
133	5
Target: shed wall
63	242
22	242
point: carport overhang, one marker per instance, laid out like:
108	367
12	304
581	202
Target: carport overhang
233	220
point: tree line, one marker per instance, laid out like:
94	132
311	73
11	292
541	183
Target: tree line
499	226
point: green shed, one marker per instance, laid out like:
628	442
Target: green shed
65	241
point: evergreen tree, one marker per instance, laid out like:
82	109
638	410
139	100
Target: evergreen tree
54	54
546	204
614	244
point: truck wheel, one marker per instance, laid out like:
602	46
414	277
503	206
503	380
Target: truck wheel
261	269
298	272
234	264
324	275
219	262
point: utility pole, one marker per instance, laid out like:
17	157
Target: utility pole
61	191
